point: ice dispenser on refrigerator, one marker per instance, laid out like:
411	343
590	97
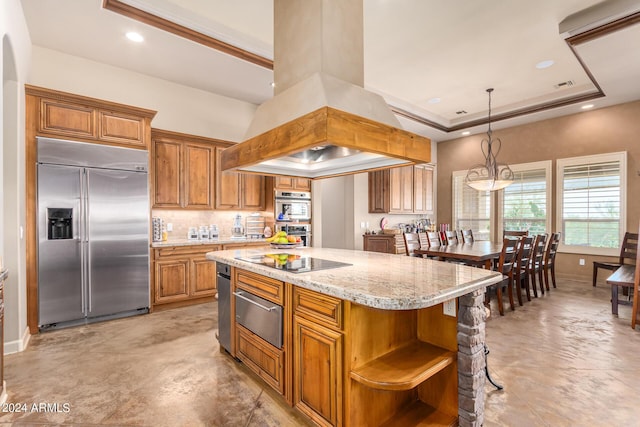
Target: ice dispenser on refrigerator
59	223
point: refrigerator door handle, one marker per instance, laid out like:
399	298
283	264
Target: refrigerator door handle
87	218
82	238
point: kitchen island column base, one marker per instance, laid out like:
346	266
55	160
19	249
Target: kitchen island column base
471	359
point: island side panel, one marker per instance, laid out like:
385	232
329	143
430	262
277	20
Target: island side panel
441	390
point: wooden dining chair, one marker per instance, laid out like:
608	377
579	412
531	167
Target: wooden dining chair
467	236
521	270
537	263
411	243
635	310
549	262
506	262
452	237
515	233
628	252
434	239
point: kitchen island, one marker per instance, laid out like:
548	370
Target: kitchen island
379	341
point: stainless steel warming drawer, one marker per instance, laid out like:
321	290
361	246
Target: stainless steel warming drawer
260	316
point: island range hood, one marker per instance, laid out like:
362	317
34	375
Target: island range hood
321	121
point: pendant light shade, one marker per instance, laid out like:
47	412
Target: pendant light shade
491	175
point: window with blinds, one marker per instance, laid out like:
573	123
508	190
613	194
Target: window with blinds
525	203
591	193
471	208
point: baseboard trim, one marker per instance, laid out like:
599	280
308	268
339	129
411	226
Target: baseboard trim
3	395
19	345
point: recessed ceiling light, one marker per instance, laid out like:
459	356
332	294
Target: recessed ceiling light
135	37
544	64
586	107
434	100
465	133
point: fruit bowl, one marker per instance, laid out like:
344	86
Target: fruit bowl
286	245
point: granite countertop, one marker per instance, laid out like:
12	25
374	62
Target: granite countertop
220	241
384	281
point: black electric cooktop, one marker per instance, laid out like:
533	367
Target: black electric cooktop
293	263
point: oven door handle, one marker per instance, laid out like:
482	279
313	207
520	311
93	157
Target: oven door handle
240	295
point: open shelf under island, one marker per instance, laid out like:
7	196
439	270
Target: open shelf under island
367	343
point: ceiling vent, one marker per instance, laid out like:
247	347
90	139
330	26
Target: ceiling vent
564	85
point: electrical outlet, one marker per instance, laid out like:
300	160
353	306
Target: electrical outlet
169	226
581	262
367	224
449	307
361	224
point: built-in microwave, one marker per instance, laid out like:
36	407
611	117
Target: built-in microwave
292	205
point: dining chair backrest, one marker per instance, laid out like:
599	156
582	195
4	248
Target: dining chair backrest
452	237
552	249
467	236
524	254
433	238
424	240
514	233
537	256
629	248
508	256
411	243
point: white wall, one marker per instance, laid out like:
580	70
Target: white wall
15	51
180	108
336	205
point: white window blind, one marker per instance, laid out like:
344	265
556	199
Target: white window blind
592	196
524	203
471	208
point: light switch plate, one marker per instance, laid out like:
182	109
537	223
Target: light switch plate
449	307
169	226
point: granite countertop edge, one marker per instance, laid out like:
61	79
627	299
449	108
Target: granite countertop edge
4	273
320	282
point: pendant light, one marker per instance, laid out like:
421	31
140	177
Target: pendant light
491	175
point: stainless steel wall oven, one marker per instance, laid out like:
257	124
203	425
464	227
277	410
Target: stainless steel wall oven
293	205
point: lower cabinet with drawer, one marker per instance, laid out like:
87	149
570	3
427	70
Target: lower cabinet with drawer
181	275
258	307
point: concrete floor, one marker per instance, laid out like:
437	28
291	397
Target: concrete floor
563	359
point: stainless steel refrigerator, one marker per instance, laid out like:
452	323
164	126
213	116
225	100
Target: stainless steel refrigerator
93	228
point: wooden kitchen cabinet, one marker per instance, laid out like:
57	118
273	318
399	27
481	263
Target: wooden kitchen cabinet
182	275
403	190
91	120
384	243
292	183
379	198
423	189
238	191
183	171
317	356
317	365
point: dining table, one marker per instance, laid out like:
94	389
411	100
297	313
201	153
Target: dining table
480	252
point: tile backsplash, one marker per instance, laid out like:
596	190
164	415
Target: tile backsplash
183	219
